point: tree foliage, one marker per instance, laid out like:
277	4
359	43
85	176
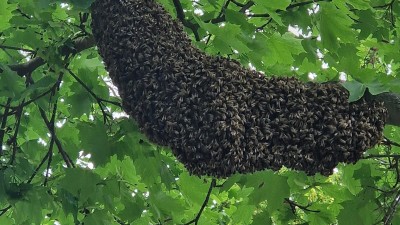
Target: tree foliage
70	156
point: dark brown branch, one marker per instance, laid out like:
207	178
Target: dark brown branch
25	103
390	143
246	6
80	44
50	152
4	124
97	98
197	218
15	136
293	205
221	15
61	150
238	3
38	167
181	17
3	211
289	7
387	219
16	48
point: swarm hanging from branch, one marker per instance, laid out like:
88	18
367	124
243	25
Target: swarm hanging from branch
218	117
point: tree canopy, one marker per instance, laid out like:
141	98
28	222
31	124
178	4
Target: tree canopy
71	156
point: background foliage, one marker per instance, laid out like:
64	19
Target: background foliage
70	156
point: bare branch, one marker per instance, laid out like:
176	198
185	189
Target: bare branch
15	136
293	205
181	16
387	219
17	48
97	98
3	211
4	124
80	44
197	218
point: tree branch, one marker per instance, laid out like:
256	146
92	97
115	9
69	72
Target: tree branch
181	16
293	205
50	152
61	150
4	124
16	48
197	218
3	211
15	136
80	44
387	219
289	7
97	98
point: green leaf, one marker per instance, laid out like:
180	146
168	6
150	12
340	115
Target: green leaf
244	214
193	188
81	103
335	26
268	186
355	88
360	4
352	184
81	183
262	218
274	4
377	88
94	139
98	217
11	84
280	49
6	14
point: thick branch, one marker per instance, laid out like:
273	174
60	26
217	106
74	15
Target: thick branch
80	44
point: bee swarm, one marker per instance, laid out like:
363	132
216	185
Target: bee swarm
218	117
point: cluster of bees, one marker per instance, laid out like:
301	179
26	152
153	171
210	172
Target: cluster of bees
218	117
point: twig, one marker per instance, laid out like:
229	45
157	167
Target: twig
293	206
61	150
50	152
387	219
4	124
264	25
28	67
389	142
14	137
119	221
395	156
246	6
287	8
181	16
52	89
38	167
197	218
3	211
221	15
97	98
16	48
387	5
238	3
